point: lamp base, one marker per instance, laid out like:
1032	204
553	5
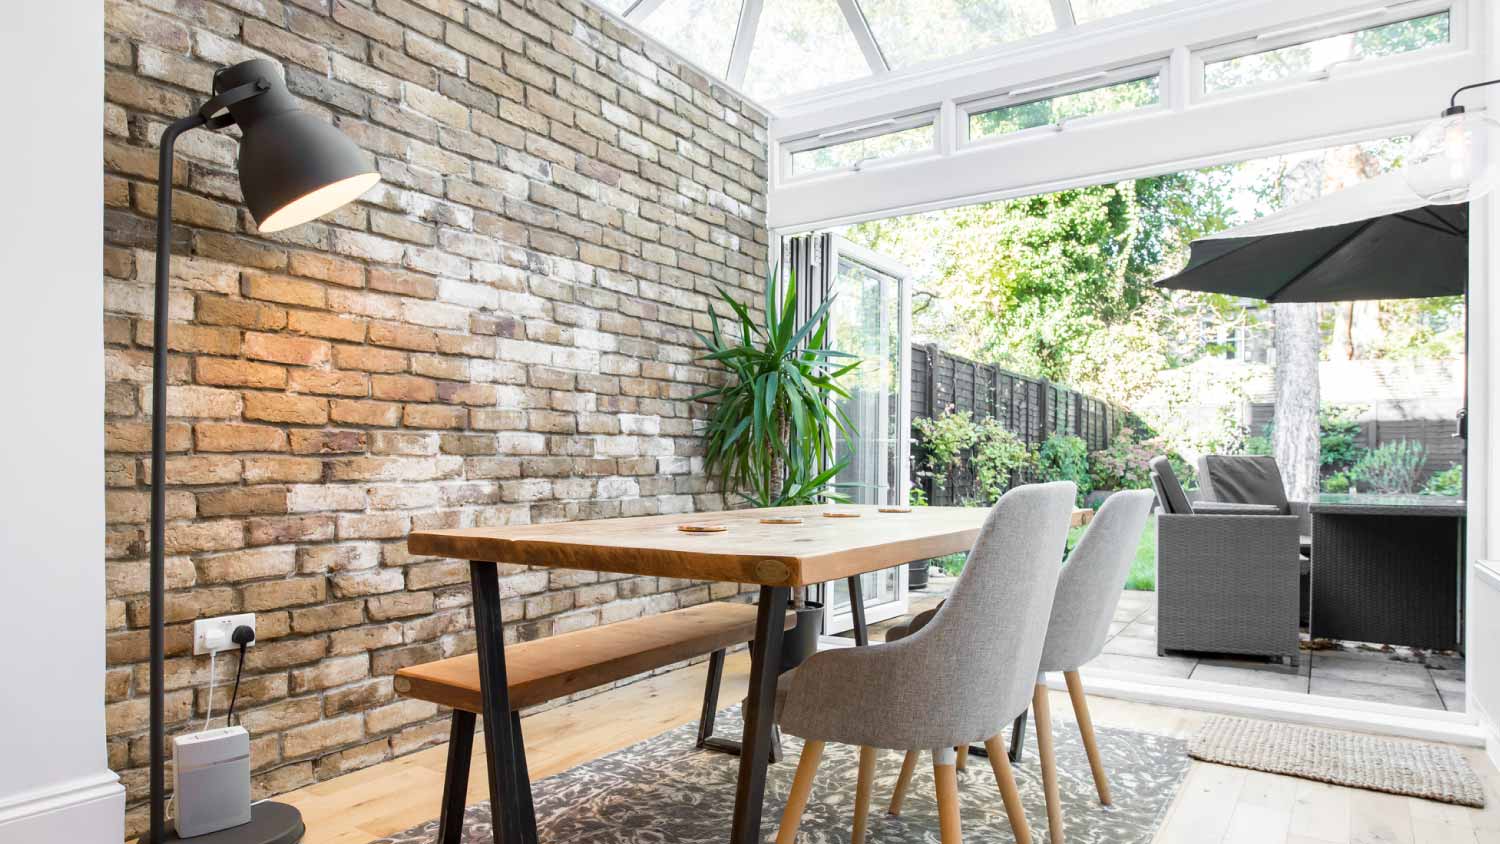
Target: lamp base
270	823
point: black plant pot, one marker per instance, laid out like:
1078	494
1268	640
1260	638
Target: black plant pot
801	642
918	574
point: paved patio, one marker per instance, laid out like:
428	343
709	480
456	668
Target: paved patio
1400	676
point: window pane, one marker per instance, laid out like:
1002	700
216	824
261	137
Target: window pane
616	6
1299	59
848	153
1085	11
701	30
801	45
1123	96
914	31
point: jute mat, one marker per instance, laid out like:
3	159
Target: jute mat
1396	766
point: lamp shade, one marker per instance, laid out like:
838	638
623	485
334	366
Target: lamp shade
293	166
1453	159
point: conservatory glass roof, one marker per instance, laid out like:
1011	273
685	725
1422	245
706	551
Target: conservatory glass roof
774	49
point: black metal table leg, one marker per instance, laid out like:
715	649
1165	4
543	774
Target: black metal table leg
510	789
760	711
1017	742
456	777
857	608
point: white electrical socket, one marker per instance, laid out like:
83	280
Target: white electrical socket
213	635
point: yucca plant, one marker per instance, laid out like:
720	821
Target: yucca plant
770	434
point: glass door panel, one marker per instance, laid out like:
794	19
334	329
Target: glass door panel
870	318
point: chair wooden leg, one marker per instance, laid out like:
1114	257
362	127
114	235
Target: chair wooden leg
1005	779
1086	727
949	825
862	793
963	758
1043	717
903	782
796	801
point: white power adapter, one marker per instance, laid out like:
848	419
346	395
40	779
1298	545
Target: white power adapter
211	780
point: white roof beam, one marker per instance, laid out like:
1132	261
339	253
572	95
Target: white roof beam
641	9
865	37
744	40
1062	11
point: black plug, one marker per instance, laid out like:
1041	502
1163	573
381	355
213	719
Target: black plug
242	636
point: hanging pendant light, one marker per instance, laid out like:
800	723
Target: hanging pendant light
1454	159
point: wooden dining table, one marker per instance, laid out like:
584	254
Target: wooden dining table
830	543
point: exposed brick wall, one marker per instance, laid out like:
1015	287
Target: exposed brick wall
500	333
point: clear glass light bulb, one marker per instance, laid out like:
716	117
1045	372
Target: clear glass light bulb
1453	160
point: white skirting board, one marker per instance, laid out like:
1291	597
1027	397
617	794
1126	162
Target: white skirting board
89	810
1313	710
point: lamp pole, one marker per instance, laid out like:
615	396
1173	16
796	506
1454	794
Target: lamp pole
303	169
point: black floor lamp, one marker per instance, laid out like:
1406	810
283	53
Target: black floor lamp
293	168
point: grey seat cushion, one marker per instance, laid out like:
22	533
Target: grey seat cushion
1244	479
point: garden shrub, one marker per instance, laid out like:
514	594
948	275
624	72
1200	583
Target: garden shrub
1125	464
1064	457
1391	468
998	453
1450	482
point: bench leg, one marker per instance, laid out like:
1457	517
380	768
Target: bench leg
510	787
765	658
706	738
456	777
711	698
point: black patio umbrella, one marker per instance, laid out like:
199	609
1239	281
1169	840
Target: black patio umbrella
1376	240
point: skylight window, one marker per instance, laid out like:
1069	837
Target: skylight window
1088	11
1321	55
914	31
854	147
801	45
1022	110
701	30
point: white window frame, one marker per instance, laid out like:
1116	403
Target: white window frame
1345	23
859	132
1050	89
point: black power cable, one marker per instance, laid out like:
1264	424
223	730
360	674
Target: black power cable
242	636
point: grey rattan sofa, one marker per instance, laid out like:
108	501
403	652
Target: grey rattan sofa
1228	575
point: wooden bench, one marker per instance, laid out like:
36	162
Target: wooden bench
546	669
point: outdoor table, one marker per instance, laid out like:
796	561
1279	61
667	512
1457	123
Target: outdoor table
777	558
1388	569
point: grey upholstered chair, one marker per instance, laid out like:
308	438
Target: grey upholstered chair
962	678
1088	591
1228	575
1251	479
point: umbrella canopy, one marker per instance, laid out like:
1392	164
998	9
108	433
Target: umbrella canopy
1376	240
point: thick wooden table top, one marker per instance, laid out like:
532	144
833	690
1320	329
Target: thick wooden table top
818	550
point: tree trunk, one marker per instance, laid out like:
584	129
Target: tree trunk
1296	444
778	465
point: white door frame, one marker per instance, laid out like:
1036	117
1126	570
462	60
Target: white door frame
839	622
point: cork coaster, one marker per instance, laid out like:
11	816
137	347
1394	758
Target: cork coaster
781	520
895	509
838	514
702	528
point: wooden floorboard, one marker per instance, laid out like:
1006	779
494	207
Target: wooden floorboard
1216	804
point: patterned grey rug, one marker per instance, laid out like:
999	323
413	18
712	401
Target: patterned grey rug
1396	766
665	790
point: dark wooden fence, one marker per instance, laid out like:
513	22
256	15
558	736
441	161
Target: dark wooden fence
1386	421
1032	408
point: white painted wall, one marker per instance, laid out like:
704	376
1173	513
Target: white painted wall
55	785
1483	669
